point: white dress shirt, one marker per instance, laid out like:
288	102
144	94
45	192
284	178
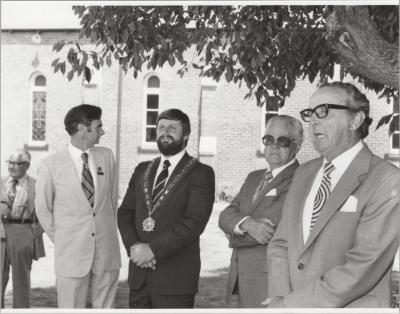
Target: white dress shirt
174	160
341	164
76	155
274	173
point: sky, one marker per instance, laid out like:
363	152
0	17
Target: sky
59	14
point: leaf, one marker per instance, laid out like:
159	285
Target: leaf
384	120
58	45
62	67
108	60
55	62
70	75
88	74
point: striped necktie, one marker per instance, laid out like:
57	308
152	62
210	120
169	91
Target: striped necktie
323	193
263	184
87	180
12	192
161	179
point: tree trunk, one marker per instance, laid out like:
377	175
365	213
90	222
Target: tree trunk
362	49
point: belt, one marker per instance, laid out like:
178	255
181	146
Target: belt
16	221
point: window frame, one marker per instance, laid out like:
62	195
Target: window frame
392	150
149	91
264	112
33	89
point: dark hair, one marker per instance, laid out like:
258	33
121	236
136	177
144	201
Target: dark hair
355	100
177	115
84	114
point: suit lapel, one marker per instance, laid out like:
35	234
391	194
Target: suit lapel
284	175
99	167
31	195
70	171
349	181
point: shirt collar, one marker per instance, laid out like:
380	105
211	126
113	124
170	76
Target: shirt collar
21	180
174	160
343	161
76	153
278	170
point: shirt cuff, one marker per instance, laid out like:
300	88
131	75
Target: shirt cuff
237	229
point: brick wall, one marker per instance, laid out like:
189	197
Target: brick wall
236	123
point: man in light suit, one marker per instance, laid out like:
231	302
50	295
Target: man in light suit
251	218
76	203
339	231
165	209
22	231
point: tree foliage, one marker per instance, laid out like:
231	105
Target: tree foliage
265	47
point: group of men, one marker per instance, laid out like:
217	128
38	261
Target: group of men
320	234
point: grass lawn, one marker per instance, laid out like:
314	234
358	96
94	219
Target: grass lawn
211	293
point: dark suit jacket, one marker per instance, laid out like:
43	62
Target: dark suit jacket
179	221
248	261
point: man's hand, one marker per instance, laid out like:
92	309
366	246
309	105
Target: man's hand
261	229
274	302
142	255
151	264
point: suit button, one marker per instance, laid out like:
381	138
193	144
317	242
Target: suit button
92	234
300	266
94	214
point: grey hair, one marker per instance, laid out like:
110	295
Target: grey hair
25	155
294	124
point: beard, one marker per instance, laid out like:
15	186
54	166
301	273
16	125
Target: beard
170	148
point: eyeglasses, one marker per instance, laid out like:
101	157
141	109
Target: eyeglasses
281	141
15	163
321	111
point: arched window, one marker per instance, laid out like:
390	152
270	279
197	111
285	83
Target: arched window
152	107
38	111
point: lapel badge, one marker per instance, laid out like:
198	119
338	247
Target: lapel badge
100	171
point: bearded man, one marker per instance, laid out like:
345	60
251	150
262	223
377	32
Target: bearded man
165	209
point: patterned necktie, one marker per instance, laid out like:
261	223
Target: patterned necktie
263	184
161	179
87	180
323	193
12	192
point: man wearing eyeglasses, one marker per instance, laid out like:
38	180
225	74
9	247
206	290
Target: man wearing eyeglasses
250	220
339	231
23	233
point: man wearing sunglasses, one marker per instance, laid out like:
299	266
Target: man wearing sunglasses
339	231
250	220
23	233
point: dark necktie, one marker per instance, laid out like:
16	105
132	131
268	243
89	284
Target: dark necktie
161	179
323	193
12	192
87	180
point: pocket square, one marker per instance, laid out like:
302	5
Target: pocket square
271	193
350	206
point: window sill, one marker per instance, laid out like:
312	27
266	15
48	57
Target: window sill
148	149
39	146
392	156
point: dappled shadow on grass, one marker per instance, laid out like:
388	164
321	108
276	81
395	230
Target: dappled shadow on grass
211	293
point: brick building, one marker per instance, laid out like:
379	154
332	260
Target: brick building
226	128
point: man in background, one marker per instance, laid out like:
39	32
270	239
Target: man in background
23	234
250	220
77	206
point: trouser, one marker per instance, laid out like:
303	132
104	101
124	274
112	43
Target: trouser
18	256
2	256
72	292
144	298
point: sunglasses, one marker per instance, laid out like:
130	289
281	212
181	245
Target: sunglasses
281	141
321	111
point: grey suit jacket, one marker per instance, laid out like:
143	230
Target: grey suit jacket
347	259
248	262
80	233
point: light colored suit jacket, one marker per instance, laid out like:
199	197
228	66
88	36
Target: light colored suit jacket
347	259
248	262
80	233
